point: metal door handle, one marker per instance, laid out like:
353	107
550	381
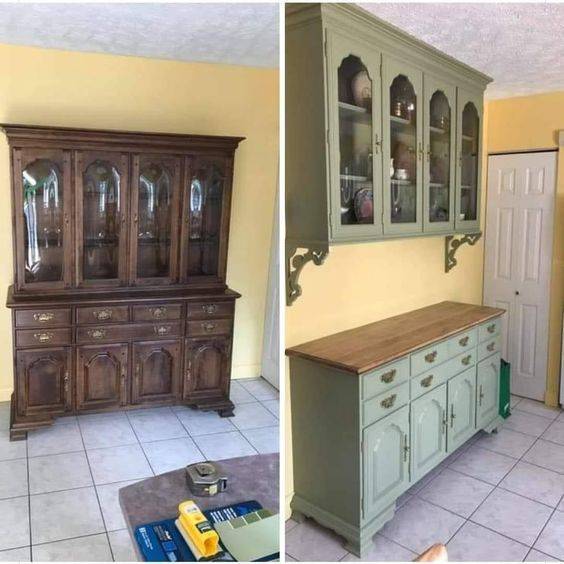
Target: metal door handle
405	448
158	312
388	377
97	333
43	337
388	402
444	422
431	357
491	328
377	143
466	360
428	153
480	395
102	314
43	317
426	382
464	341
452	415
420	151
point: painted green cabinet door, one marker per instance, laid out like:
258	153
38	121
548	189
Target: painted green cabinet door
355	119
488	391
402	127
461	392
385	461
428	431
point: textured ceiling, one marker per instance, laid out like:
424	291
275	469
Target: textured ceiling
238	34
521	46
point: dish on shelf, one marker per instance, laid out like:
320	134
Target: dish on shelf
364	205
361	87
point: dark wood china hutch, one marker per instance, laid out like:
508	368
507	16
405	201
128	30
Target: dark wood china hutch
120	248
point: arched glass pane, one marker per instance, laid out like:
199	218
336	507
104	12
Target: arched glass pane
101	224
469	163
355	142
439	158
403	140
154	221
43	222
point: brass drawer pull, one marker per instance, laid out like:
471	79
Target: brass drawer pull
43	317
491	328
158	312
431	357
102	314
208	327
209	308
43	337
96	333
162	330
464	341
491	346
466	360
66	382
426	382
388	377
388	402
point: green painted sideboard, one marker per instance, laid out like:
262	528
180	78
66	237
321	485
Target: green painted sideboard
374	409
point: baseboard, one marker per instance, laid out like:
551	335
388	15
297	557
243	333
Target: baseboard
6	394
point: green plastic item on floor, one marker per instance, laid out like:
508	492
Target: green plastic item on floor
505	389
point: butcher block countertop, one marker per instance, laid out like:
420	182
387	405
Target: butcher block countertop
365	348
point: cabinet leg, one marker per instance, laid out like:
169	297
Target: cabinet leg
226	412
358	548
18	435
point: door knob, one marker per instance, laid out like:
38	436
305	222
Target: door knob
516	292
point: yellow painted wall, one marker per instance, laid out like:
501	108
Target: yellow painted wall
51	87
526	123
362	283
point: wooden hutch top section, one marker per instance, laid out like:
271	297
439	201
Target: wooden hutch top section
364	348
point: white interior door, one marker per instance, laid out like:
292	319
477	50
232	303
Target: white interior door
519	221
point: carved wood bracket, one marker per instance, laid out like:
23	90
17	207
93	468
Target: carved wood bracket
294	265
452	245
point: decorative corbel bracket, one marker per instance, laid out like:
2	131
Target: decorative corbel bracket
295	263
452	245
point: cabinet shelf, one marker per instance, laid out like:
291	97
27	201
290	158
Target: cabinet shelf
397	182
401	121
354	177
468	138
437	130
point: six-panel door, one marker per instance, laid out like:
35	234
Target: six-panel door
43	381
385	461
461	408
156	374
487	402
428	431
101	376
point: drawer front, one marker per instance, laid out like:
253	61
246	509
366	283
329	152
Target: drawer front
43	337
425	359
428	381
209	327
462	342
102	314
158	330
157	312
489	347
120	333
489	329
385	378
206	310
384	404
54	317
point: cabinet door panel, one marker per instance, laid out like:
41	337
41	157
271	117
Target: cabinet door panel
462	408
157	371
101	376
155	205
102	188
488	391
208	367
428	431
355	129
42	205
43	381
402	100
385	461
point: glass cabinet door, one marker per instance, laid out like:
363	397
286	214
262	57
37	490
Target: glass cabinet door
439	170
206	197
43	199
403	148
469	164
154	235
355	148
101	182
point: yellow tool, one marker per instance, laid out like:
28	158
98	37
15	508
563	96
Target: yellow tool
197	530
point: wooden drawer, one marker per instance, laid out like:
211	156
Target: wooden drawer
385	378
127	332
487	348
427	358
157	312
430	380
462	342
384	404
209	327
489	329
102	314
43	337
209	309
52	317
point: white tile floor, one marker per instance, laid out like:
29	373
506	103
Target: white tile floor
59	489
497	498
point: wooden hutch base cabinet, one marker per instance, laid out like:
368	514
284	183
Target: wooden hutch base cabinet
120	246
374	409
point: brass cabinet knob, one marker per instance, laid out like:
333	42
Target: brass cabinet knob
210	309
464	341
158	312
466	360
43	317
43	337
491	328
102	314
96	333
389	401
162	329
426	382
431	357
388	377
208	327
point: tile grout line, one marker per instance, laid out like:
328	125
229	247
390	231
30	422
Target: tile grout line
28	498
189	436
544	527
140	445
